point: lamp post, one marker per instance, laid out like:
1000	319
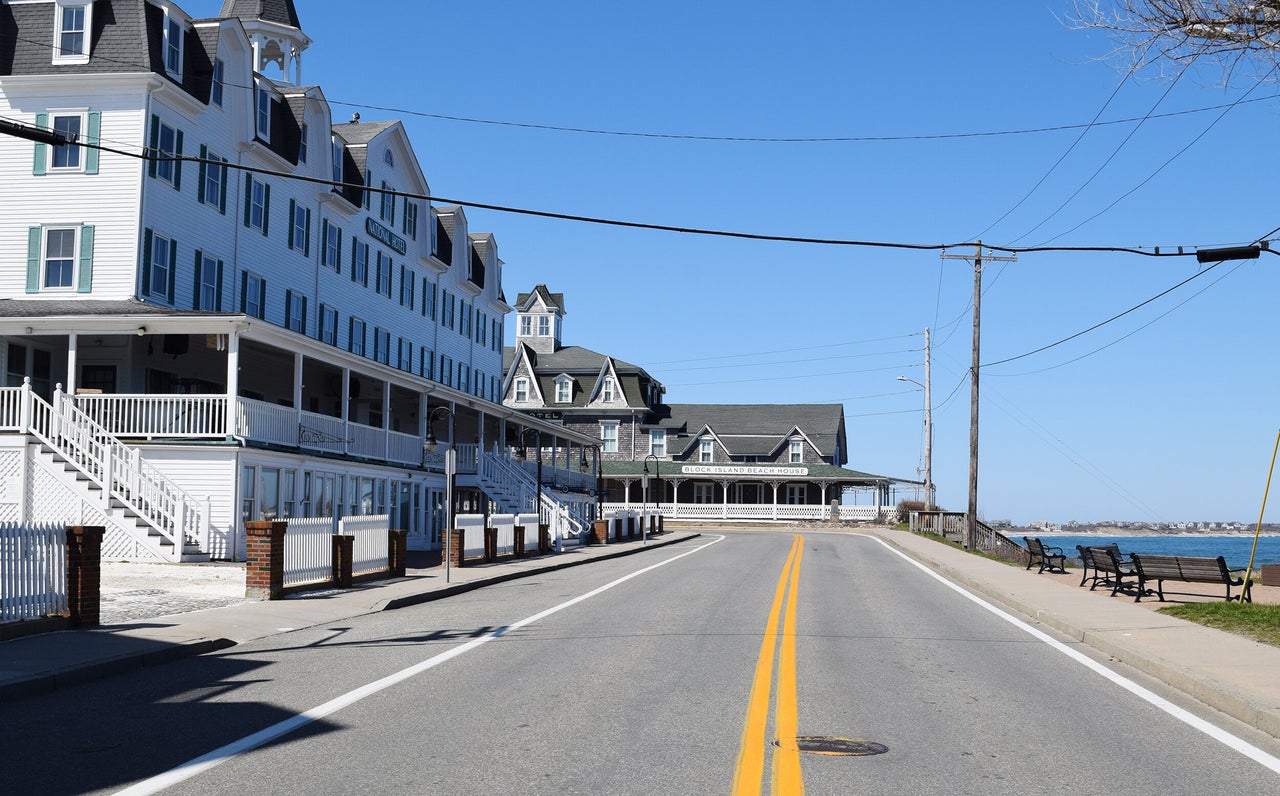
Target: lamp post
429	444
644	480
537	492
928	440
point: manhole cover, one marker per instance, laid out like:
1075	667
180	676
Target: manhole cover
828	745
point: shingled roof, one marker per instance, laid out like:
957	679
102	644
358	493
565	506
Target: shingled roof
281	12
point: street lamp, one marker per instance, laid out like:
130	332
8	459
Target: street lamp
429	444
644	480
928	441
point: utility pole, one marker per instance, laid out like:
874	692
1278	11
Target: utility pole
971	520
928	428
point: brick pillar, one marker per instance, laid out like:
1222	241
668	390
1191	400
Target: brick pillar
490	544
84	574
454	551
343	547
544	538
660	529
519	545
397	552
599	532
264	559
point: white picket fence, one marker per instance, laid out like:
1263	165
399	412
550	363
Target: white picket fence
371	548
33	571
471	526
308	550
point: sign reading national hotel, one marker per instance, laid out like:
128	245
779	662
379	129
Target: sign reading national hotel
385	235
721	469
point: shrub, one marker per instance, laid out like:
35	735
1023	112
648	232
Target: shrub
905	507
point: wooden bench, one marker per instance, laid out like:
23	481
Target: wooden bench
1111	570
1186	569
1087	562
1047	556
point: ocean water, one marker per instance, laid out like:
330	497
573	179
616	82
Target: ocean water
1235	549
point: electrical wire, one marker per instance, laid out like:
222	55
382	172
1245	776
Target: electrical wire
782	350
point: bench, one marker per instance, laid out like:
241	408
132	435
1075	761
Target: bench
1047	556
1111	570
1186	569
1087	562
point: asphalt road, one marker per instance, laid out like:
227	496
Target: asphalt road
664	683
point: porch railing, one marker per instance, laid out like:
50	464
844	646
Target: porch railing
756	511
120	470
157	415
33	571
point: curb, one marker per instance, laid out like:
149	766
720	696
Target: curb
1237	706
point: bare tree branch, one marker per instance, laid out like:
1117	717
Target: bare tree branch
1238	34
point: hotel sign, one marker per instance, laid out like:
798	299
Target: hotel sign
385	235
723	469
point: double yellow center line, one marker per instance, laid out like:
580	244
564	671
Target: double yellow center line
786	756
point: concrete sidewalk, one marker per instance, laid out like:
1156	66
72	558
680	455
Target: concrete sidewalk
1232	674
42	663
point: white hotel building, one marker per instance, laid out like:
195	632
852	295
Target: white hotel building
192	336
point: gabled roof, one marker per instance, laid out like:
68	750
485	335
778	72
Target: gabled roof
757	429
281	12
553	300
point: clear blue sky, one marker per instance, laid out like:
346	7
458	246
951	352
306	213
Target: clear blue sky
1166	414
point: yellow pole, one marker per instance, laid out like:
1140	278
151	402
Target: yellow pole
1246	597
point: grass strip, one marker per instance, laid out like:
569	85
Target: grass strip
1255	621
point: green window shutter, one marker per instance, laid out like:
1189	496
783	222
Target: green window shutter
248	198
262	298
146	262
304	314
306	238
293	208
288	307
177	164
217	301
155	141
338	265
195	279
204	172
93	137
353	259
173	269
33	259
244	290
84	280
266	208
222	197
40	165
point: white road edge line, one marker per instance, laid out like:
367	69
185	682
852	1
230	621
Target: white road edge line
1213	731
222	754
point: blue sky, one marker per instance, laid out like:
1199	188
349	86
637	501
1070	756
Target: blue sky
1165	414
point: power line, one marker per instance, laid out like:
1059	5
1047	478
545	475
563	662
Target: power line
781	350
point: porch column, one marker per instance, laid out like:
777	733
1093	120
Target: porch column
724	507
626	493
775	485
424	411
73	343
386	420
675	496
297	387
233	381
345	401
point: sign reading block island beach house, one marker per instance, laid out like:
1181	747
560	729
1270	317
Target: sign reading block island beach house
726	469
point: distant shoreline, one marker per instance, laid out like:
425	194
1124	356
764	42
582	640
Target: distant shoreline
1125	532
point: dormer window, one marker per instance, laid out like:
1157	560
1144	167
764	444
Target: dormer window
215	90
564	390
522	390
302	145
71	37
264	114
337	160
389	158
173	34
544	326
796	451
706	448
526	326
606	389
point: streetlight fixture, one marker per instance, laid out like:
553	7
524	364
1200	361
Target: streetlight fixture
644	480
429	444
928	441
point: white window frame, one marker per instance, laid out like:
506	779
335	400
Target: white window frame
71	150
336	160
797	494
71	261
609	437
216	89
356	343
332	256
383	276
606	390
298	226
167	170
406	355
215	175
359	261
302	143
526	326
521	390
706	450
564	390
328	321
795	451
160	247
258	205
85	31
262	113
410	219
704	492
254	298
544	326
387	211
174	28
658	442
297	312
207	283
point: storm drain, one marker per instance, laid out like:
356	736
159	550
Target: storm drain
845	747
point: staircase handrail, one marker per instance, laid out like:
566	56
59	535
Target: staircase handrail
119	469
